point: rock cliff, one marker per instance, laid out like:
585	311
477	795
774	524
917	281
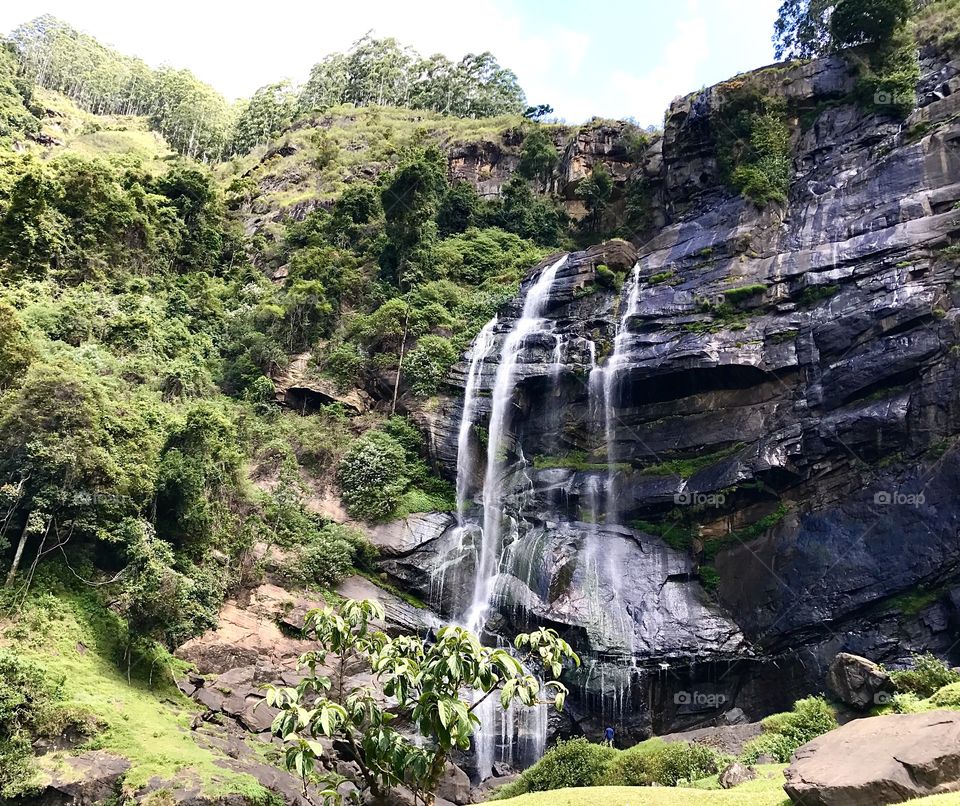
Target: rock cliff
732	446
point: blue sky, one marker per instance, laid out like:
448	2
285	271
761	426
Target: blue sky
612	58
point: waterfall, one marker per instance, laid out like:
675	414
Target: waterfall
530	321
518	736
614	365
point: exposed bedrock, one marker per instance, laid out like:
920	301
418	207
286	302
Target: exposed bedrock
761	470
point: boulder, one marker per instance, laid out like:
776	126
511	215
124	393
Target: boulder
859	682
735	774
454	785
883	759
89	778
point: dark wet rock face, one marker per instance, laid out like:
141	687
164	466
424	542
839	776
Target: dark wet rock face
769	478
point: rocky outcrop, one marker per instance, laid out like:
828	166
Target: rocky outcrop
84	780
735	774
886	759
778	444
859	682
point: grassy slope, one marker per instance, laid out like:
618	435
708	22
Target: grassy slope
74	638
100	136
366	139
767	790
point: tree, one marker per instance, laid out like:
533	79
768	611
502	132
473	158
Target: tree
538	156
459	209
437	688
263	117
538	112
596	191
858	22
373	476
15	349
802	29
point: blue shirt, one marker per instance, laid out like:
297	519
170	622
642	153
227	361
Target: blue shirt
609	733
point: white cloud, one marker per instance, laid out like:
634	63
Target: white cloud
649	94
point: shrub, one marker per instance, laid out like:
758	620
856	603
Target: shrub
908	704
783	733
947	697
573	763
428	364
775	745
372	476
30	707
928	675
329	556
656	762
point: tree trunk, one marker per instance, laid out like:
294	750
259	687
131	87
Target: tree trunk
403	347
12	574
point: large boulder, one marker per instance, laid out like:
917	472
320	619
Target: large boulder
83	780
858	682
883	759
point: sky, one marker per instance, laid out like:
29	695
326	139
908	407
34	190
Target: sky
615	59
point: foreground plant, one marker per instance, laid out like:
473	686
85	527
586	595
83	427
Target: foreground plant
436	687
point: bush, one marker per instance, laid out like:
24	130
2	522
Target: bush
775	745
372	476
783	733
428	364
330	556
947	697
30	708
928	675
573	763
679	762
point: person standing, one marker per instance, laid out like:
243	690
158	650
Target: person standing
608	737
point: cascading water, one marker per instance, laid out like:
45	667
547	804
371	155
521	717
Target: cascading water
519	735
530	321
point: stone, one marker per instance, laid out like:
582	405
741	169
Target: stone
859	682
735	774
89	778
454	785
877	760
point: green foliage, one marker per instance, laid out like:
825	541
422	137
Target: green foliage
948	696
31	707
538	156
783	733
856	22
596	191
372	476
383	72
672	764
685	468
939	22
15	350
576	762
530	216
812	294
762	173
263	117
459	209
434	686
16	122
330	553
429	363
481	255
745	292
927	675
191	115
802	29
888	74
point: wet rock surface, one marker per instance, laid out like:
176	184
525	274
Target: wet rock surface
782	423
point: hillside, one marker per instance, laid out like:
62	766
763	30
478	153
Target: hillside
676	407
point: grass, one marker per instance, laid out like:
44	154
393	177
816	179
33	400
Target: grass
575	460
766	790
685	468
393	590
744	292
74	637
